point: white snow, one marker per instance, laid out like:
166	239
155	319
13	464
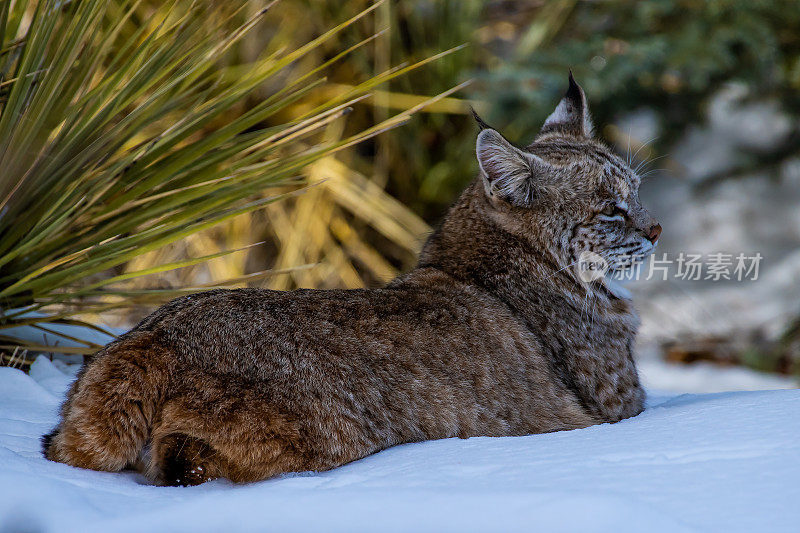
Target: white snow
691	462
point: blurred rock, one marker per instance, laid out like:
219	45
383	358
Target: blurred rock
751	212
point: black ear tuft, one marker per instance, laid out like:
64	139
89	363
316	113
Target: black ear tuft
574	92
571	116
481	123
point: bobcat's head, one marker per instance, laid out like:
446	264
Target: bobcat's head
566	191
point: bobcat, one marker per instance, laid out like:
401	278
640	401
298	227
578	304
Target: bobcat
493	333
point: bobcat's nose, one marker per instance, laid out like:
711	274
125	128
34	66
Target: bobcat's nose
655	231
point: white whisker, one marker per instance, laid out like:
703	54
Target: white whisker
647	143
628	157
561	269
646	162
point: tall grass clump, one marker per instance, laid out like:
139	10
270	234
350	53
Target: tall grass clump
122	131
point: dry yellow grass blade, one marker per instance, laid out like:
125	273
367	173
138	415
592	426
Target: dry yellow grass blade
362	251
313	228
368	202
398	100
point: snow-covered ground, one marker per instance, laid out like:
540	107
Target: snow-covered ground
691	462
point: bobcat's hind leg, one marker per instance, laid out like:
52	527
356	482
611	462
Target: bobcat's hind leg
109	409
222	429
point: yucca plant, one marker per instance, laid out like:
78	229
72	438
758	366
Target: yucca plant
350	225
117	139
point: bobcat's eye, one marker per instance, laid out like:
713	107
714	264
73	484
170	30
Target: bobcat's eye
613	212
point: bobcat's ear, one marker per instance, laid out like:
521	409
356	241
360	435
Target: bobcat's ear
508	172
481	123
571	116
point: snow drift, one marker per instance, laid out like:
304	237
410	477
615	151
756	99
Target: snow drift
699	462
